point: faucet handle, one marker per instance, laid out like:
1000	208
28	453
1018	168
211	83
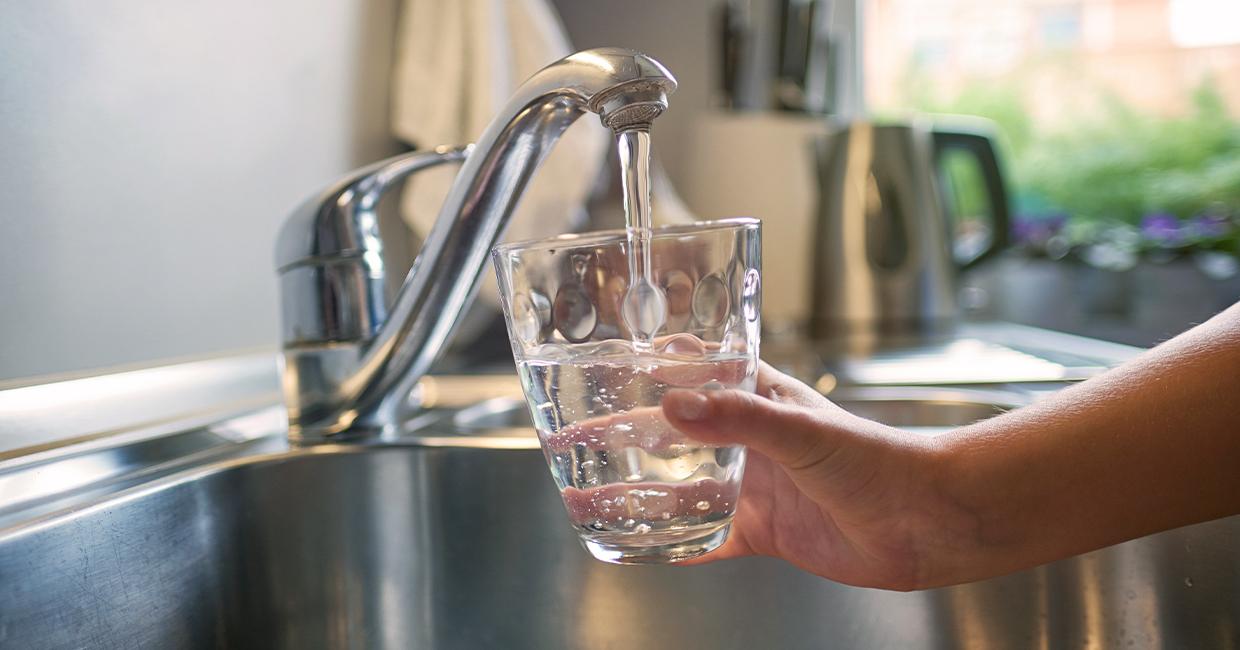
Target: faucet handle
337	222
330	247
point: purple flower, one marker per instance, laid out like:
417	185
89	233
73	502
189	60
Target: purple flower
1033	230
1056	221
1024	231
1162	228
1209	226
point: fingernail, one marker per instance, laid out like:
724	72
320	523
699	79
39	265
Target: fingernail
688	405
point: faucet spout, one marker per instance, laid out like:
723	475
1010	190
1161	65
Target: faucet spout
367	387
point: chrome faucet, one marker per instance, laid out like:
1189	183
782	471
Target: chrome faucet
351	362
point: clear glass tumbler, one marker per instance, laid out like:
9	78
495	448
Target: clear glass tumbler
636	489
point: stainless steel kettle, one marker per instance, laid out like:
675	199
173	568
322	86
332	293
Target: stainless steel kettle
883	251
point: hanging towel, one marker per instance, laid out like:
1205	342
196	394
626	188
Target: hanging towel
458	63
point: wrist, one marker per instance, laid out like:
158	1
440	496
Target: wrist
958	521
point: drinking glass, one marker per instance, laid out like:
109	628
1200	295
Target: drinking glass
636	489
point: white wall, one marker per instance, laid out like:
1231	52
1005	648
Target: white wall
148	152
685	36
678	33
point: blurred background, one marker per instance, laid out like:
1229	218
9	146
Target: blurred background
1118	121
151	150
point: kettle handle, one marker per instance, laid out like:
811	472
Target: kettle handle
982	148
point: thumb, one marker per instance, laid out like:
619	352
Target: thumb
791	435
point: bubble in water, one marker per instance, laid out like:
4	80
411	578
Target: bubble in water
1188	582
588	474
653	500
644	494
624	463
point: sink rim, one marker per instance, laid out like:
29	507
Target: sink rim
996	397
255	436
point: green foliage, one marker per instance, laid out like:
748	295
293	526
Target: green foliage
1116	167
1126	165
966	185
1000	102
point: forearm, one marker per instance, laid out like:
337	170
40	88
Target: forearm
1149	446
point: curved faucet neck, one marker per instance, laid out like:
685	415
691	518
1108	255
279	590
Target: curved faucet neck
374	393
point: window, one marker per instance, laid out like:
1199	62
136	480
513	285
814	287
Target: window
1205	23
1060	26
1119	122
1108	113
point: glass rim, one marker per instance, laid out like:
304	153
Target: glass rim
620	235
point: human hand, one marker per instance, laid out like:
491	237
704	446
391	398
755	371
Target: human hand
834	494
1148	446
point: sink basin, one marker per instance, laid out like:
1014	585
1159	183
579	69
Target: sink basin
926	410
411	546
914	408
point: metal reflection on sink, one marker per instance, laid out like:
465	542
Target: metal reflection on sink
454	537
913	408
406	546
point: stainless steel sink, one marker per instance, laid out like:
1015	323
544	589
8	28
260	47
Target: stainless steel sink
926	410
459	540
915	408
